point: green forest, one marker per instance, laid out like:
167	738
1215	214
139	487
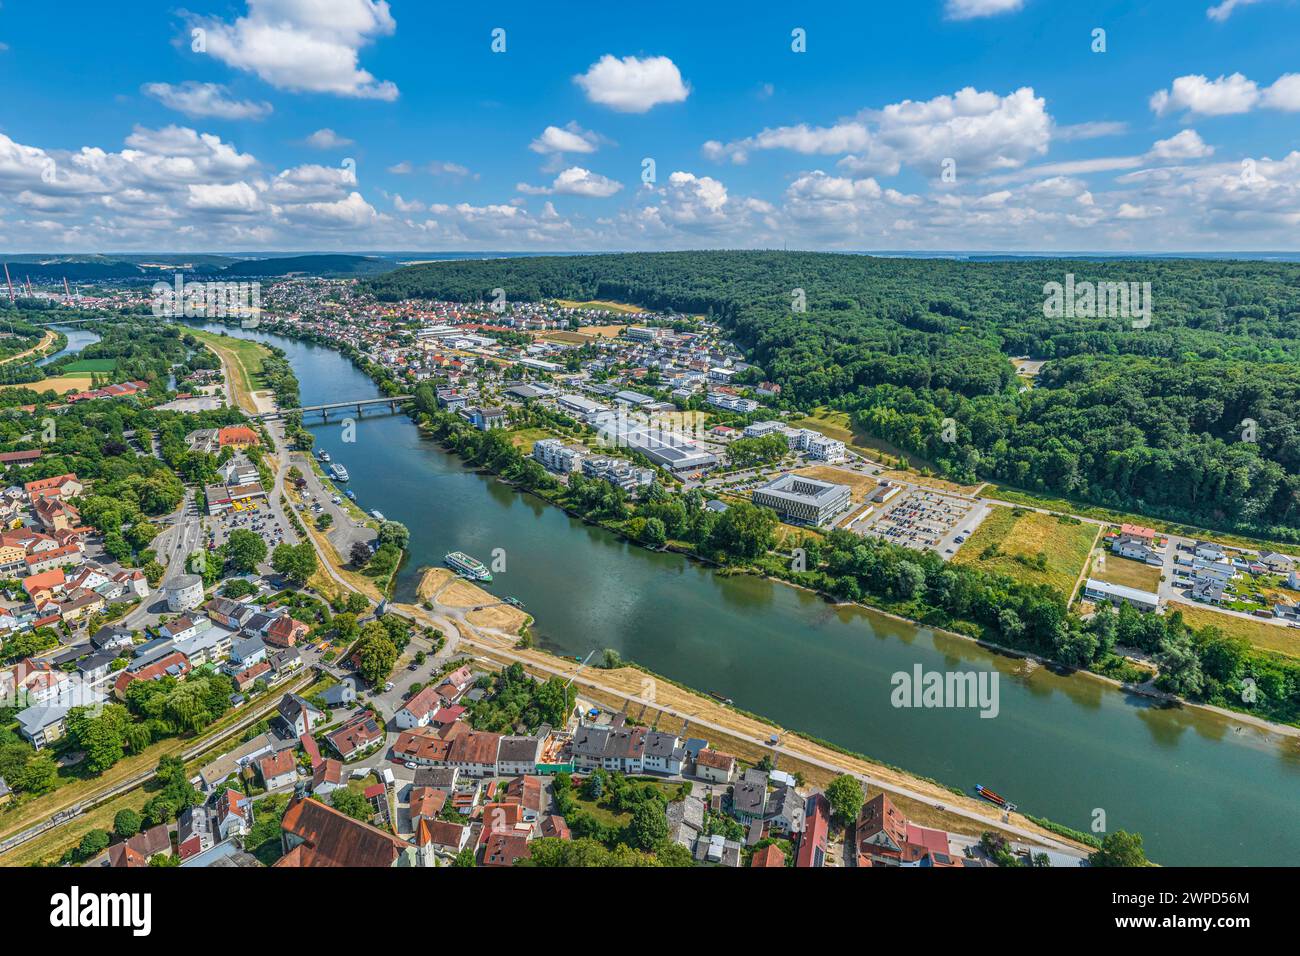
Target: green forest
1191	418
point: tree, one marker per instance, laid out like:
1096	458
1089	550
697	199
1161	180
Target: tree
297	562
351	802
1120	848
846	798
1180	668
360	554
244	551
127	823
376	653
649	826
465	858
92	844
744	531
654	533
394	533
345	627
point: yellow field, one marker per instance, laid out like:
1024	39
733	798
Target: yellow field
1066	546
1126	571
622	307
62	384
1261	634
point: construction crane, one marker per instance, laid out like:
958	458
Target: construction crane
66	291
11	284
568	682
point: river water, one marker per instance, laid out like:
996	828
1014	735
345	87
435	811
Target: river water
78	338
1202	789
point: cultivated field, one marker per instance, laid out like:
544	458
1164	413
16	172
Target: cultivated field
62	384
1024	536
622	307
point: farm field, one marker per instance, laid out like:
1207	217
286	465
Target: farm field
1269	637
62	384
622	307
1025	535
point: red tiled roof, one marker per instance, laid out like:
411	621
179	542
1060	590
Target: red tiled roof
331	838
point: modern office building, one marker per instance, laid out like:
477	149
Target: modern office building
799	499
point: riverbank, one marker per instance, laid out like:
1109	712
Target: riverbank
655	702
45	346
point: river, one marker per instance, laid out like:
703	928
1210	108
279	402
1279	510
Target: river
1202	789
78	338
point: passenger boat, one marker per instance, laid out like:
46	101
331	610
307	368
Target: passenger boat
467	567
338	473
377	514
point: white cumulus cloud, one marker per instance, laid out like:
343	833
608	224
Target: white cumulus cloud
633	84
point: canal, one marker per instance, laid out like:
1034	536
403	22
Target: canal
1202	789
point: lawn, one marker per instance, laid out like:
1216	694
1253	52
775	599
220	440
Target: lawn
1128	572
1008	536
92	365
1261	634
523	438
609	818
243	357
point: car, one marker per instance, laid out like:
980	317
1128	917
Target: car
388	686
411	765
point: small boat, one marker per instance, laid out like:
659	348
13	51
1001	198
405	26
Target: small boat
338	473
377	514
350	495
323	455
994	798
467	567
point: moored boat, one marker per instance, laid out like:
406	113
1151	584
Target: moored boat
467	567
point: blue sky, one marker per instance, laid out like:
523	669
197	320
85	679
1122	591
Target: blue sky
935	124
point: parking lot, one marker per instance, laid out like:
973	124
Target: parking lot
927	519
256	517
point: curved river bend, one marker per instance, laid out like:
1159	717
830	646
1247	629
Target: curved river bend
1202	789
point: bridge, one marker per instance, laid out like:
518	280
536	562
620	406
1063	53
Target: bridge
392	401
93	318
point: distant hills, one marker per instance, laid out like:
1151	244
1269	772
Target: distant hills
93	268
